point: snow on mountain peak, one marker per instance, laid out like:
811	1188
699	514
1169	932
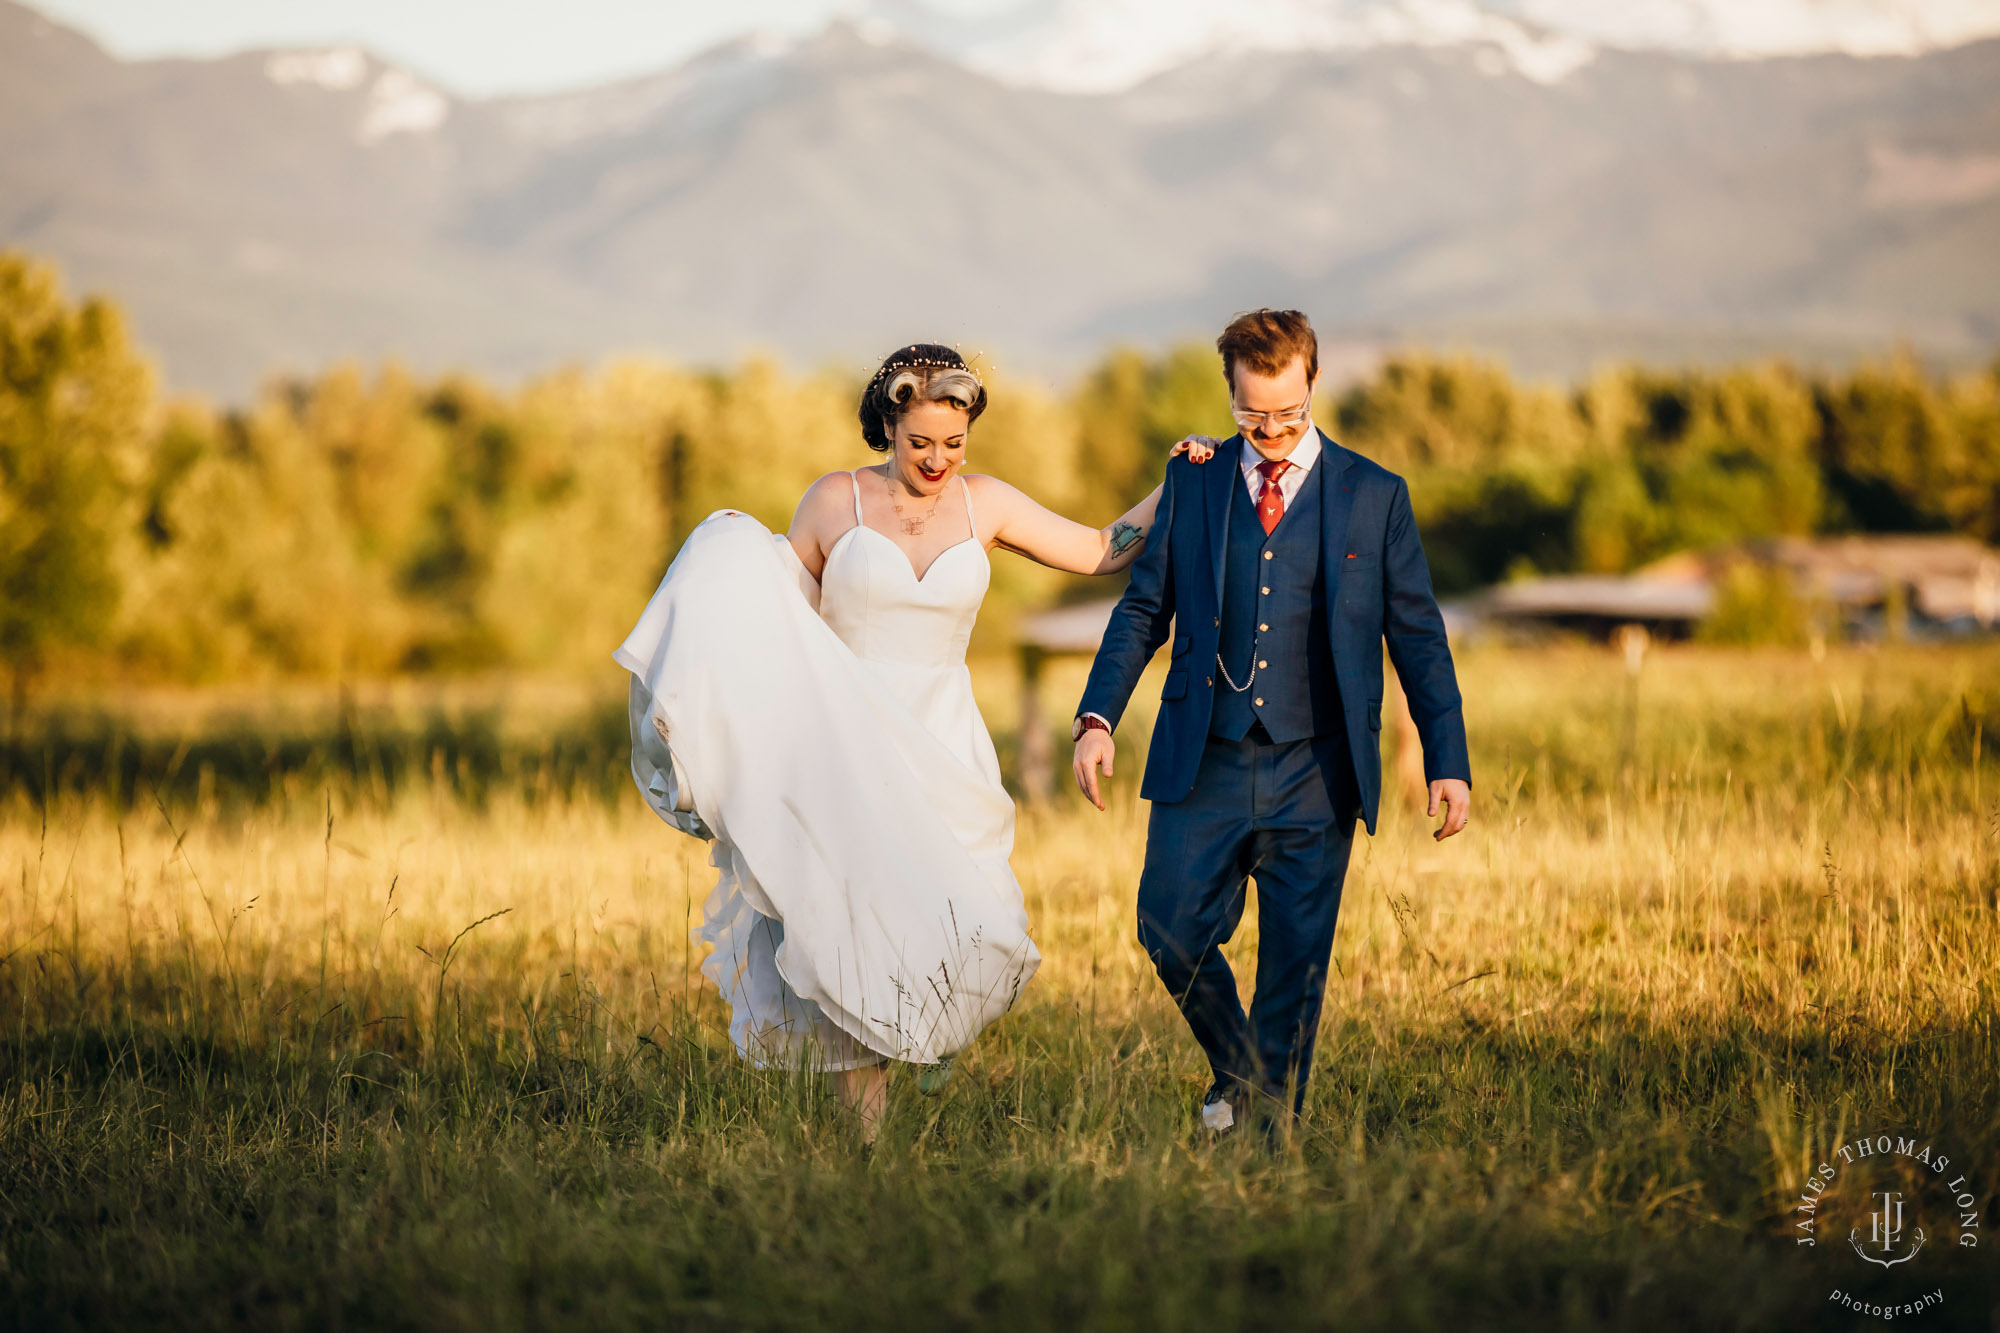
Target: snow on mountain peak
400	104
397	102
338	70
1093	46
1759	29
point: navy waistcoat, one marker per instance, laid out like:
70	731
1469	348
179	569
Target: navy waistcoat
1274	613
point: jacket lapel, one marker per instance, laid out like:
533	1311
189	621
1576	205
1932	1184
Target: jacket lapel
1221	480
1336	502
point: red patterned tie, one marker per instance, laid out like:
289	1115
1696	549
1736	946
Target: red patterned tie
1271	504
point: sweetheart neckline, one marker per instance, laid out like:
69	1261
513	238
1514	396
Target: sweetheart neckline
918	579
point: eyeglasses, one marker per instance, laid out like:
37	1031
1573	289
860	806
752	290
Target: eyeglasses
1285	420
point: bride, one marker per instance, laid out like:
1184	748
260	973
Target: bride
803	701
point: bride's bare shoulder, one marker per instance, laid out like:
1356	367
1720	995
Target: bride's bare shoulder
834	489
827	503
837	483
991	490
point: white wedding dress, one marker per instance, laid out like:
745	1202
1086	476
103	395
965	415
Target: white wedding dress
827	735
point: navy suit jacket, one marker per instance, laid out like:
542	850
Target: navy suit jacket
1378	587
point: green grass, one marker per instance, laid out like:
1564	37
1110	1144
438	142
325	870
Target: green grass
256	1071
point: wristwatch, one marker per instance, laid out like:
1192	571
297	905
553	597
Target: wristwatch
1088	722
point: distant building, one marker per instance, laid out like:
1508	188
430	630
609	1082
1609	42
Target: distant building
1069	631
1592	604
1951	584
1935	586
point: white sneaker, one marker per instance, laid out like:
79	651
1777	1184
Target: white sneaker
1217	1115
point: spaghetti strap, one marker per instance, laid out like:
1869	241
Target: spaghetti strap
971	519
854	479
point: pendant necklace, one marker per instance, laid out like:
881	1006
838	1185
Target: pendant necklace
912	527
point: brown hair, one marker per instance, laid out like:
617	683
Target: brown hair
919	373
1266	341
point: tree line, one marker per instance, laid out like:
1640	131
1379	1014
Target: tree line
363	523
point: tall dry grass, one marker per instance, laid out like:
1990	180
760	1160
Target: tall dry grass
362	1029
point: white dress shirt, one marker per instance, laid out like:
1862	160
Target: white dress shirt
1293	479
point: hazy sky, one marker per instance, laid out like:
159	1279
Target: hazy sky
471	46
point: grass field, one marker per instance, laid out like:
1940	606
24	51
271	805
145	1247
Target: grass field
379	1013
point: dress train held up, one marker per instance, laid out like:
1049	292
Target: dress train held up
827	735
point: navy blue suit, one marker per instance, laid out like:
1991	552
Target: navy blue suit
1268	781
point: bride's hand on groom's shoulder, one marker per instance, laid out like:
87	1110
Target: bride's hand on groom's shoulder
1198	448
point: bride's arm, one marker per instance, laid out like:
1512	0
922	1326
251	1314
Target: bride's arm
1018	524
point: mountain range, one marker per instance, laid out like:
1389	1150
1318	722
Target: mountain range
1109	45
825	199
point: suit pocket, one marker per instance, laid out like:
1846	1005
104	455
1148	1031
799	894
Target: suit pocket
1176	686
1360	575
1181	643
1374	715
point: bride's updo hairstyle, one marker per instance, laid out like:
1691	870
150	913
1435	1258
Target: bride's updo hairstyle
920	373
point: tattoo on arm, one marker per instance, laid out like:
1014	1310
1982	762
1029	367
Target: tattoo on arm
1126	535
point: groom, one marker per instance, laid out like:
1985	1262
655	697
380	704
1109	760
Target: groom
1278	569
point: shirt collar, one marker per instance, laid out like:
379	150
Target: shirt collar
1302	458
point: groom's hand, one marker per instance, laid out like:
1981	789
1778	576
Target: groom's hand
1455	796
1093	748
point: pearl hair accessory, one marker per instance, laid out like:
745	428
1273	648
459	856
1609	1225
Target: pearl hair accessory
892	365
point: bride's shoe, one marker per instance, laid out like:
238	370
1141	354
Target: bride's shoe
931	1079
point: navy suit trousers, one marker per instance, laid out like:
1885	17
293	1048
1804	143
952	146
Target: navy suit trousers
1285	814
